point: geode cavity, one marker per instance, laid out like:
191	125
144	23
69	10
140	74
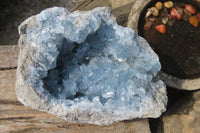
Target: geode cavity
84	67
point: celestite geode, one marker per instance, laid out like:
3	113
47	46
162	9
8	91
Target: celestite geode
84	67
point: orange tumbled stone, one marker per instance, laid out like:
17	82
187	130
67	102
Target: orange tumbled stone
161	28
191	9
194	21
198	16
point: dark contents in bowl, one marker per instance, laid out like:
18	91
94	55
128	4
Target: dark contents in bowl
178	48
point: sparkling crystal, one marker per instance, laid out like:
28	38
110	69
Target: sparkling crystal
84	67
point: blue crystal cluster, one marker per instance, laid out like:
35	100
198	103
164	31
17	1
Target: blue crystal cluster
86	61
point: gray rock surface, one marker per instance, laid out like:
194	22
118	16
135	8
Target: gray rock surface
182	84
84	67
119	3
183	116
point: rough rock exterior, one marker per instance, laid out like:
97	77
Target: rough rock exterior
83	67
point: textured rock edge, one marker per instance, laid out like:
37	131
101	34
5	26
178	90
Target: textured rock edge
172	81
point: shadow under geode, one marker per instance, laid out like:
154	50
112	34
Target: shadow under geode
179	102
